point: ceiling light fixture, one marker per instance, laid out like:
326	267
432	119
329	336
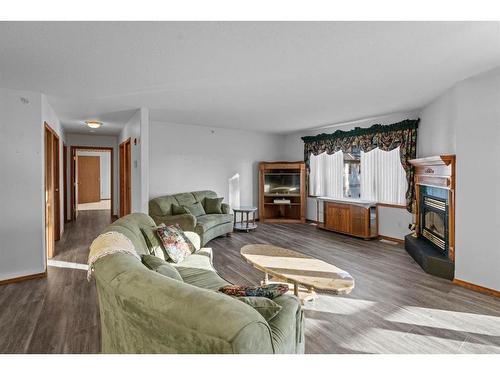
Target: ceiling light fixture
93	124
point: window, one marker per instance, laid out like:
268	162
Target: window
352	172
375	175
325	178
384	179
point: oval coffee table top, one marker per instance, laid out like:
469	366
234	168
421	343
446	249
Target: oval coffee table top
296	267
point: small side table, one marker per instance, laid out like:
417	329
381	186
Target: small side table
245	225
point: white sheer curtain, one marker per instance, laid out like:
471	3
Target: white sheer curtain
326	174
383	178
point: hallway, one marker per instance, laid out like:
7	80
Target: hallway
53	314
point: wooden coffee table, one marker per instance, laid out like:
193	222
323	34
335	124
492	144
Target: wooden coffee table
298	269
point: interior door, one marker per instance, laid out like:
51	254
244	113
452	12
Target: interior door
57	188
89	180
49	194
125	178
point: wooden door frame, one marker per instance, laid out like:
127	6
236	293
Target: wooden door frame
65	182
54	223
73	150
125	174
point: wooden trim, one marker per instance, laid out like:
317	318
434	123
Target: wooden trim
65	182
73	151
23	278
125	177
477	288
391	205
398	240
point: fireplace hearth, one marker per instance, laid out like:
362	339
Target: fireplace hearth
432	245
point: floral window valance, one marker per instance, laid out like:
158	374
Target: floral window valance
386	137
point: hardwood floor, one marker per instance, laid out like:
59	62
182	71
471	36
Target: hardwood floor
394	308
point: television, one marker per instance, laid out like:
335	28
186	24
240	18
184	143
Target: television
287	183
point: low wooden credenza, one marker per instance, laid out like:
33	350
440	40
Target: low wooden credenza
355	217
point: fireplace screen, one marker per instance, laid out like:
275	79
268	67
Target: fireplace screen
434	221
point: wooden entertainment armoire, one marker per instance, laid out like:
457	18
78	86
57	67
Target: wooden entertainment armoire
282	192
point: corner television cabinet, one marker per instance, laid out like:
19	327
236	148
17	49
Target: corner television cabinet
282	192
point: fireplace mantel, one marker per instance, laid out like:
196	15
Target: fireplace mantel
437	171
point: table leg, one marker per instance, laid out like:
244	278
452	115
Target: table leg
235	219
247	220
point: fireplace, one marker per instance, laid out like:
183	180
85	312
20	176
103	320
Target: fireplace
434	217
433	243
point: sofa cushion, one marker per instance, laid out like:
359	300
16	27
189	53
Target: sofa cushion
213	205
202	278
153	242
195	209
205	222
202	259
176	244
178	210
185	199
267	308
159	265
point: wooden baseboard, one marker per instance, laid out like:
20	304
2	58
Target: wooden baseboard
391	239
477	288
23	278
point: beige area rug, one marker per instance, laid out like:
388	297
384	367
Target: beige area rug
102	205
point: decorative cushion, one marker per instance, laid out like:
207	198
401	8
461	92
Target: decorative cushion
195	209
270	291
175	243
159	265
213	205
153	242
264	306
178	210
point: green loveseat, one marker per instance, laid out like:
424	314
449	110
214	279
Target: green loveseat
206	226
143	311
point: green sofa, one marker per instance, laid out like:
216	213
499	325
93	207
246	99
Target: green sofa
206	226
143	311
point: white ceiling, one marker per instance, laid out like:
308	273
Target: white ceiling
268	76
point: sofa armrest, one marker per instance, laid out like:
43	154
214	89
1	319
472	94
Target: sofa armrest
226	209
187	222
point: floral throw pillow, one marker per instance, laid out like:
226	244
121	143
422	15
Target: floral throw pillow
270	291
175	242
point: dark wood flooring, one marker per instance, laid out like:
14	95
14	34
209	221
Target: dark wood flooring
394	308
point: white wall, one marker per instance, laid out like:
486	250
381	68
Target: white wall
392	222
104	169
96	141
22	245
473	109
188	158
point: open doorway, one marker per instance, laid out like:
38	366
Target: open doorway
52	198
92	179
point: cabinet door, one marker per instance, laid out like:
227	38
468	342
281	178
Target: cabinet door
359	221
344	219
330	214
338	217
